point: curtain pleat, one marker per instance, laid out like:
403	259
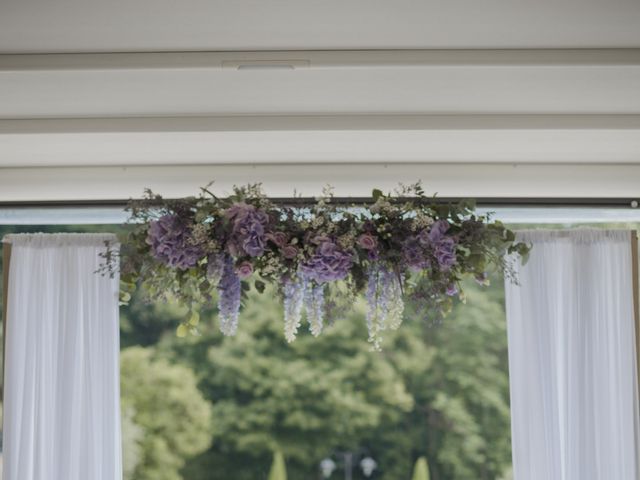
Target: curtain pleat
572	358
61	398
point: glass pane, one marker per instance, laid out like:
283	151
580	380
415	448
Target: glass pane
215	407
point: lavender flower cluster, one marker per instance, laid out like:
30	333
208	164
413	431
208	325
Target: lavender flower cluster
229	291
228	243
249	230
329	263
385	304
169	238
430	243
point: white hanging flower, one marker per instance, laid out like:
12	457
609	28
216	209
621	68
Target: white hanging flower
294	291
314	305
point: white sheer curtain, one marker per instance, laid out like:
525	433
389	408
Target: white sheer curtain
572	358
61	397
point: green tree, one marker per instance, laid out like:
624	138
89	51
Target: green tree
144	324
169	409
461	414
436	388
306	399
278	468
421	469
132	436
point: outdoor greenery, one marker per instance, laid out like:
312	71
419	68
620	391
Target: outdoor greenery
158	393
437	390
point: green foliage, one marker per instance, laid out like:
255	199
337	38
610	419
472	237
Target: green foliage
168	408
305	399
461	419
132	437
278	468
421	470
145	324
439	390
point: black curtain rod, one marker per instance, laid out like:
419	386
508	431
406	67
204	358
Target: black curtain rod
301	201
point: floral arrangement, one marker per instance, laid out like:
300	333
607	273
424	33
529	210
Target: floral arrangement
400	247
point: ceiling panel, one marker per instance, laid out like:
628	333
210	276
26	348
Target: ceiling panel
305	147
445	179
163	25
433	89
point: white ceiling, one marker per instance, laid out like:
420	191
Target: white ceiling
170	25
582	146
409	90
544	101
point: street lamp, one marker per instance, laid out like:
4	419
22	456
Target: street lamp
368	465
327	466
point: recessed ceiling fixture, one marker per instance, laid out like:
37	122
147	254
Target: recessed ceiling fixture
265	64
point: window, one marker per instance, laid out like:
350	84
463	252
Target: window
213	407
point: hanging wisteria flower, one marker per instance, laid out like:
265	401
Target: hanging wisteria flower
329	262
294	291
215	267
452	289
249	229
170	241
385	305
314	306
229	292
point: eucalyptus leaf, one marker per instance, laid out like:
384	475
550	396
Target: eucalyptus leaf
194	319
182	330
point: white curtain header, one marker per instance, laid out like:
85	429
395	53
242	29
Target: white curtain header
575	236
44	240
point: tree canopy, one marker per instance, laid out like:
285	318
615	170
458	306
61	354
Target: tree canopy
163	402
439	390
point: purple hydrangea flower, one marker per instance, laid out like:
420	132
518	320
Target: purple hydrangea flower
437	231
169	238
445	252
229	293
328	263
413	254
248	229
443	246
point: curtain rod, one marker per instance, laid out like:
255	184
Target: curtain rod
301	201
